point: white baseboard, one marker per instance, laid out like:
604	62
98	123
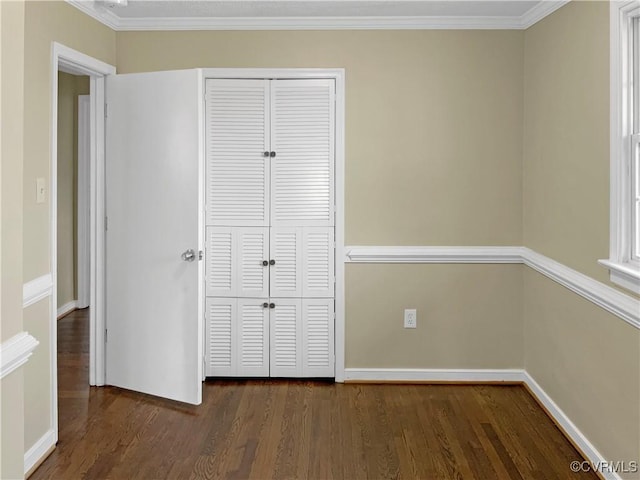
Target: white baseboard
432	375
569	428
39	451
67	307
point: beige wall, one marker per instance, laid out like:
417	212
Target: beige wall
586	359
433	149
433	121
11	135
469	316
37	390
46	22
566	137
69	87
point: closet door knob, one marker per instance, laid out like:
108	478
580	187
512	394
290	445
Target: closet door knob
265	305
272	154
272	305
265	263
265	154
272	262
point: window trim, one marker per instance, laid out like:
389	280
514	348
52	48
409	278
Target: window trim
624	270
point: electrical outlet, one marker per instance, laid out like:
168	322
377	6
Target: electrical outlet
410	318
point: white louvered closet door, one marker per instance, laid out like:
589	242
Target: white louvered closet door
278	208
302	137
235	257
285	324
286	251
252	251
304	262
253	338
221	343
238	131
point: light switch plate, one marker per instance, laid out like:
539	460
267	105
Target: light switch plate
41	190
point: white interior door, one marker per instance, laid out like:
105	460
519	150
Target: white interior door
153	163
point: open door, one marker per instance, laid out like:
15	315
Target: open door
153	267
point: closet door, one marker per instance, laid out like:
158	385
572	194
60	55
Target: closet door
318	264
253	337
318	337
237	338
237	126
235	262
222	332
303	262
286	253
302	339
285	324
302	137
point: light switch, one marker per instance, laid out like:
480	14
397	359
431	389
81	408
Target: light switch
41	190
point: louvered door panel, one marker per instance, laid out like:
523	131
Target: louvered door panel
253	338
237	135
302	135
318	262
285	324
318	338
221	276
220	350
253	249
286	251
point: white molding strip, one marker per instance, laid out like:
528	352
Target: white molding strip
36	290
370	254
432	375
569	428
612	300
67	307
15	352
113	21
39	451
540	11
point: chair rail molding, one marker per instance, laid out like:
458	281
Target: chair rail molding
37	289
606	297
424	254
15	352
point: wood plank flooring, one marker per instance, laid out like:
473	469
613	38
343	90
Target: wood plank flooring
299	429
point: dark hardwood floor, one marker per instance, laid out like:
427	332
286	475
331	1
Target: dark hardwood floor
299	429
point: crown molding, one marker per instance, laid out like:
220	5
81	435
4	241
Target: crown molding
540	11
102	15
108	18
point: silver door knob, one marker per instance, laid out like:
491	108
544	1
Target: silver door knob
189	255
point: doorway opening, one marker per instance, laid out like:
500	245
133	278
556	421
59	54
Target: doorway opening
70	67
74	144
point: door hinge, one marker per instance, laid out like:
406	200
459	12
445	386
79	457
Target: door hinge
105	335
106	223
106	110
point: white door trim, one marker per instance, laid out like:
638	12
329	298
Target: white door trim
84	194
71	61
338	74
